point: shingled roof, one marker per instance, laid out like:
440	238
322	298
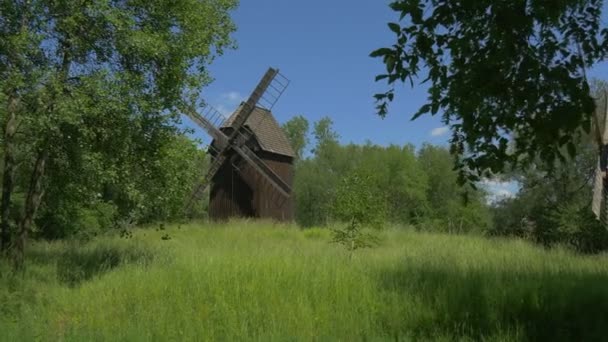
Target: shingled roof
268	132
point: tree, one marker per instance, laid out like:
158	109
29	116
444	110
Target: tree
316	177
554	207
442	186
324	135
71	69
296	130
358	204
499	70
400	176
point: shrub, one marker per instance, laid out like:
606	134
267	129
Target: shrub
358	204
71	219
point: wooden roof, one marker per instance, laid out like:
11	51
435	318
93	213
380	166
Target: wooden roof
268	132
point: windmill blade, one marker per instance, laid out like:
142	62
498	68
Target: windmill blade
252	159
265	95
264	170
255	97
271	87
240	165
605	131
197	194
598	204
273	92
598	193
209	120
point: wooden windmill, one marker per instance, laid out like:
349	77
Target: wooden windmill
251	171
600	186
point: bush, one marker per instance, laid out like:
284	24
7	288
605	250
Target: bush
358	204
73	220
578	228
568	223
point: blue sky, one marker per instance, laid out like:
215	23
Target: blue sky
323	48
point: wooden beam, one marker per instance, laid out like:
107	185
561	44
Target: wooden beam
251	102
264	170
220	138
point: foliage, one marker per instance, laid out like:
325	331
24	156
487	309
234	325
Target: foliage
399	175
554	208
296	130
154	188
446	210
358	204
316	177
499	70
88	102
259	281
325	136
417	187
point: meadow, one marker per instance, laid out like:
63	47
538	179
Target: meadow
262	281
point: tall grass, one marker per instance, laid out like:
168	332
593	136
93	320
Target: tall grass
259	281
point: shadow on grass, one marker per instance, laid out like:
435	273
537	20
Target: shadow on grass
550	306
77	265
80	262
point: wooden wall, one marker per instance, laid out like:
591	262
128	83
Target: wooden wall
229	195
231	192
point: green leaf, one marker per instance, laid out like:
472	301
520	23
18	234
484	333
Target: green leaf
390	63
381	77
484	82
423	110
395	27
381	52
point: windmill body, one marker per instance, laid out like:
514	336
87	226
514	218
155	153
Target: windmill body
237	189
251	170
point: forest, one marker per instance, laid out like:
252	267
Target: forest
388	242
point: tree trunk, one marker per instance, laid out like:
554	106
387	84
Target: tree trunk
34	196
8	174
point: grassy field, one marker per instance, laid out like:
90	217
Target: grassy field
259	281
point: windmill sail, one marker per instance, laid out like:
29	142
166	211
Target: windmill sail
598	204
265	95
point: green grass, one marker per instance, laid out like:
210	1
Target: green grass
259	281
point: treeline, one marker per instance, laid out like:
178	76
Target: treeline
414	187
419	188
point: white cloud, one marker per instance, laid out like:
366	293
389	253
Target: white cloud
496	195
498	189
504	193
495	183
227	102
232	96
439	131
